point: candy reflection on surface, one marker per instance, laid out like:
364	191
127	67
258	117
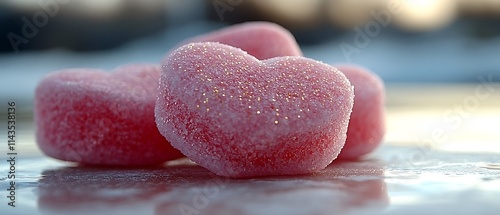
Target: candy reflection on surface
340	187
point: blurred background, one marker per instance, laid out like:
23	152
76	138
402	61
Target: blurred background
430	53
419	41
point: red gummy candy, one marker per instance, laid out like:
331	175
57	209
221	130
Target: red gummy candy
263	40
97	118
367	124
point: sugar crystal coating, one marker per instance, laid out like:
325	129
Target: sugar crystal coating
93	117
367	124
241	117
263	40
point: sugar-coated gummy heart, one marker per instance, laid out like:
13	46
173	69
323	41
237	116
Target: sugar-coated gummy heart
263	40
367	124
241	117
93	117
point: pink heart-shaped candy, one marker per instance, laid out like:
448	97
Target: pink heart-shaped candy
97	118
241	117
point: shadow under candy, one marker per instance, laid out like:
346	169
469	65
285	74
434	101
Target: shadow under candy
186	188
